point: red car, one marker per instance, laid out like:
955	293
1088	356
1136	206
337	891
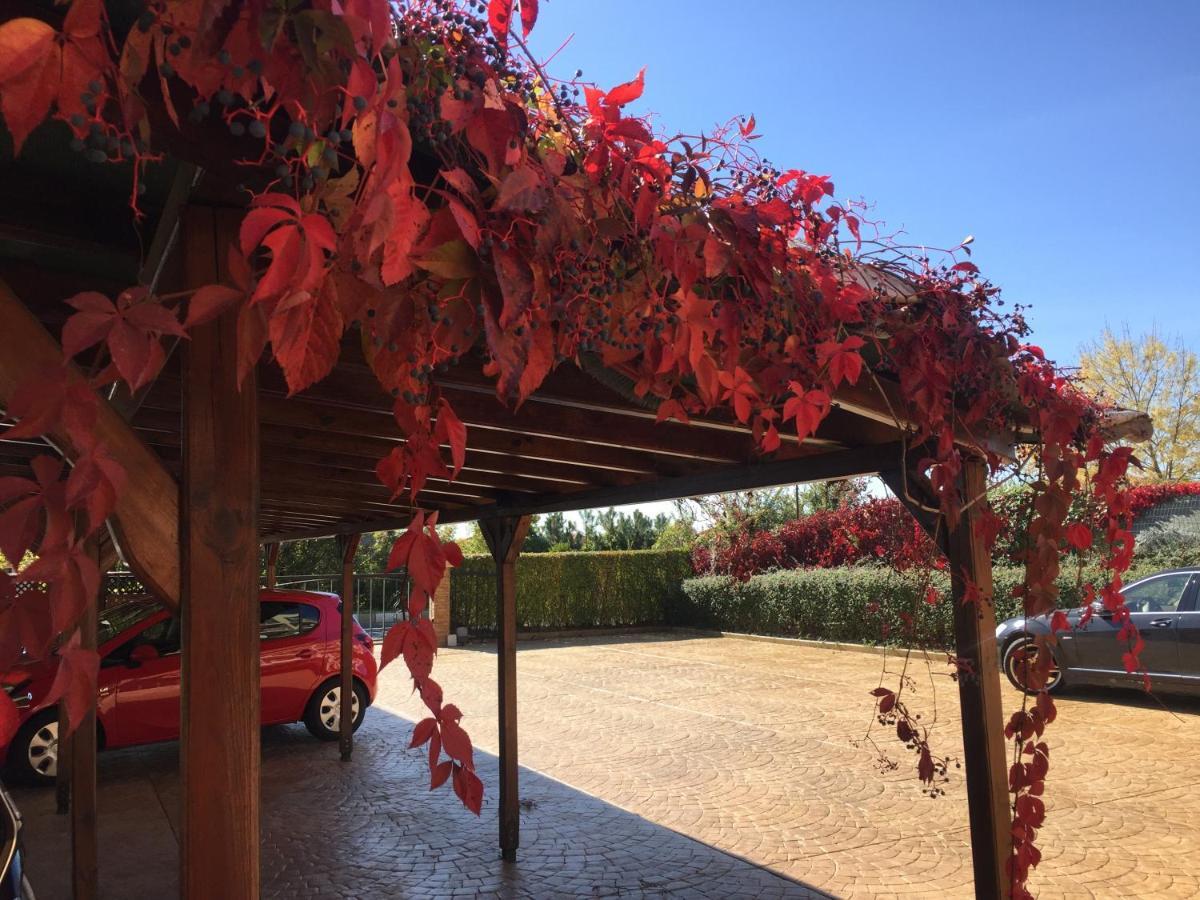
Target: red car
138	642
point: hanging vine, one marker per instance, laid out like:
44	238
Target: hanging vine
414	175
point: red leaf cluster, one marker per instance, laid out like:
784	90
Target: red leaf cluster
418	183
879	530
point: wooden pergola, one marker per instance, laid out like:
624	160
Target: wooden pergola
215	472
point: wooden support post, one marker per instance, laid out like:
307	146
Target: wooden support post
979	692
504	538
82	750
272	550
348	545
220	703
62	775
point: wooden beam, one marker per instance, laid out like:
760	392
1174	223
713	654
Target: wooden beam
504	538
984	745
220	703
468	484
827	466
916	495
272	554
867	460
347	547
146	521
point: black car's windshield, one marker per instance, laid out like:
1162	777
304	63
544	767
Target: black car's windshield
117	618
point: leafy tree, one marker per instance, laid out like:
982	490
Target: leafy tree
473	543
320	556
680	534
1157	374
560	532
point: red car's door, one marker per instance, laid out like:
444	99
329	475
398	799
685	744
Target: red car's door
147	691
293	658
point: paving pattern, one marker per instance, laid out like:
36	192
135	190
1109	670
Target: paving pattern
668	765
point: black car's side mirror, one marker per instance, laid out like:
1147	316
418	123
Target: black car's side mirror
1098	609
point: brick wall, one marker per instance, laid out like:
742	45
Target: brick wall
440	613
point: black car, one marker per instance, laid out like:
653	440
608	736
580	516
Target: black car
13	883
1164	607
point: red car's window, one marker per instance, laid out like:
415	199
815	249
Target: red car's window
119	617
284	619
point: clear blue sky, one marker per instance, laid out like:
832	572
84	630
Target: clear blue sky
1064	135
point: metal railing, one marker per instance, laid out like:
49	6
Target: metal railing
379	600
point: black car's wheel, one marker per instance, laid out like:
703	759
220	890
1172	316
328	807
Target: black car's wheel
1020	655
324	713
33	754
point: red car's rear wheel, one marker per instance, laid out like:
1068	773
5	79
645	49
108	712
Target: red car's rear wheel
324	713
33	754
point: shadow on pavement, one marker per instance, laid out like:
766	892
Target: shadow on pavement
372	829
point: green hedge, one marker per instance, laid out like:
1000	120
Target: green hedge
852	604
574	590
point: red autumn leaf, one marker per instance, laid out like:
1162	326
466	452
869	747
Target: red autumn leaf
403	224
500	18
770	440
423	731
393	643
627	92
466	220
455	741
516	286
741	390
1079	536
75	682
306	332
671	409
26	501
455	433
845	364
439	773
131	328
469	789
93	484
73	578
210	301
52	400
529	14
40	66
453	553
298	243
808	408
522	189
880	692
1059	622
747	127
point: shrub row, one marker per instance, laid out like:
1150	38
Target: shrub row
869	532
882	530
860	604
574	589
